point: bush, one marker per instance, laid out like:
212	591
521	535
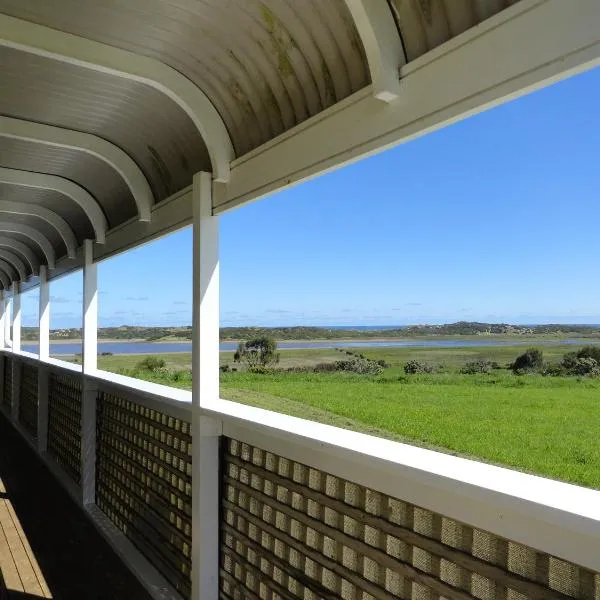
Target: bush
106	353
530	361
414	367
478	366
362	366
151	363
258	353
580	366
590	352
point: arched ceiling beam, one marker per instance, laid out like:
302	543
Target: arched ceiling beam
33	234
23	249
64	186
5	279
63	228
9	270
58	45
381	40
12	259
90	144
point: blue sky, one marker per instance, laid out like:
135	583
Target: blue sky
495	218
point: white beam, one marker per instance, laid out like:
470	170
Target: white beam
3	317
7	318
63	228
90	366
89	144
23	249
33	234
81	196
205	389
90	310
16	317
12	259
71	49
44	314
381	40
524	47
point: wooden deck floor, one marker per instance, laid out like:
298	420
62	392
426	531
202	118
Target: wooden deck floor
18	565
48	546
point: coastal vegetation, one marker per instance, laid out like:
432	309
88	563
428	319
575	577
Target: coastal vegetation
462	328
469	401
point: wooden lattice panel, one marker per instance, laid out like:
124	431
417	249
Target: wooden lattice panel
144	482
28	400
64	422
291	531
7	384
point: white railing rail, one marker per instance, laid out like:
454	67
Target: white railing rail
556	518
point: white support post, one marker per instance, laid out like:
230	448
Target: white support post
16	317
7	321
3	311
205	389
44	314
16	346
43	375
90	364
3	318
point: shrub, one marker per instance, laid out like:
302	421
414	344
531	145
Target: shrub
590	352
151	363
580	366
362	366
258	353
530	361
224	368
414	367
477	366
326	367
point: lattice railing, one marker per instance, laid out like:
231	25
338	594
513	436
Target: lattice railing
291	531
28	400
64	422
144	482
7	384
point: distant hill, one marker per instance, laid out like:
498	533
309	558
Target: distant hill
466	328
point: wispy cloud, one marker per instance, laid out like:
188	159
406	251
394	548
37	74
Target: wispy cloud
180	303
413	304
60	300
137	298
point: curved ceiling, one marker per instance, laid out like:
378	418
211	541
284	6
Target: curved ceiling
263	67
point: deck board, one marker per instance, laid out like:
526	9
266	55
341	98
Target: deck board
48	546
19	568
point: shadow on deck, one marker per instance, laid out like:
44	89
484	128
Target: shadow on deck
48	547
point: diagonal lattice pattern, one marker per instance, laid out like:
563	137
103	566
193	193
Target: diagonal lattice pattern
7	384
28	401
144	482
291	531
64	422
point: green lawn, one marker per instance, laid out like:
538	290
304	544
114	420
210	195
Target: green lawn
544	425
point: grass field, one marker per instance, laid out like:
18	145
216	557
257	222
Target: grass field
544	425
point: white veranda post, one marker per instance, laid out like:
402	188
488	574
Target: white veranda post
3	312
90	364
205	390
7	320
43	375
16	317
44	313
